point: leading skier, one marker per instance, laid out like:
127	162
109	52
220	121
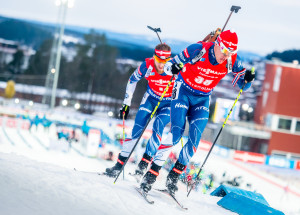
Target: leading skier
153	71
200	66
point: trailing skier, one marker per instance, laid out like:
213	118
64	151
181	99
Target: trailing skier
152	70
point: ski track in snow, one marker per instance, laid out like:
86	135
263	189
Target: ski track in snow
31	187
41	181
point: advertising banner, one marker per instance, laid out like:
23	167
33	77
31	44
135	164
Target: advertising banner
297	166
280	162
221	151
249	157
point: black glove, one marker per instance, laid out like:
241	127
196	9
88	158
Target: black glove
249	75
124	109
176	68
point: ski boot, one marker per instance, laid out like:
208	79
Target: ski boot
142	166
150	178
114	171
173	177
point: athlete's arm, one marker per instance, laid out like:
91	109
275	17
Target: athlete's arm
186	56
238	72
137	75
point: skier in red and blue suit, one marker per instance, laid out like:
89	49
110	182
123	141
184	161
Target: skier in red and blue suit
152	69
200	66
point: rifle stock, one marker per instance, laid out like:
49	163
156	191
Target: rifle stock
211	37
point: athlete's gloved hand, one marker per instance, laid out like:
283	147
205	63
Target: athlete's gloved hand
176	68
249	75
124	109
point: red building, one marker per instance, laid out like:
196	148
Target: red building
278	107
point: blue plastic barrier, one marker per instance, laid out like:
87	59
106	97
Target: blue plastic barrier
243	202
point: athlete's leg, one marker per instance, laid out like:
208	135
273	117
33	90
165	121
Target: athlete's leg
143	114
197	116
179	108
141	118
161	120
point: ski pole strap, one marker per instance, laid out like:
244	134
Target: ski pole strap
162	96
237	98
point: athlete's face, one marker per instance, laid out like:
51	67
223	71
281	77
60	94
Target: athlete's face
220	56
159	66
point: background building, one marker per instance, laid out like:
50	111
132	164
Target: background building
278	107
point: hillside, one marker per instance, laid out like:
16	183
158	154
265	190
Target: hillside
137	47
24	32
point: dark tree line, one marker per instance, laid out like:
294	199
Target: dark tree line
93	69
24	32
286	56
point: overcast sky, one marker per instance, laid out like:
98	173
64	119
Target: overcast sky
263	26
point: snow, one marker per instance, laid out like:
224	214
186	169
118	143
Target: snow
37	180
47	184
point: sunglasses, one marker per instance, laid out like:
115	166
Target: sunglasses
225	50
158	60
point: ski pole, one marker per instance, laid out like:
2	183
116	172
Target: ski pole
211	148
153	112
123	135
216	140
186	178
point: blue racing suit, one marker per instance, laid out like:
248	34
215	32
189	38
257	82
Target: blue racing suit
191	96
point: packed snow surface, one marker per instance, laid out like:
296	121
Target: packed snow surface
36	187
37	180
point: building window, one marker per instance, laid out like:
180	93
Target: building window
285	124
298	126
